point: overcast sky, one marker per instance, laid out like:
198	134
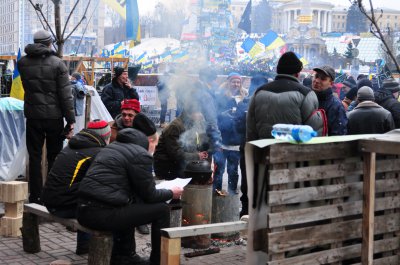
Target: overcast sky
146	6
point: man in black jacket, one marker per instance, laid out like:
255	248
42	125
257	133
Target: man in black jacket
60	193
118	194
387	98
119	89
48	100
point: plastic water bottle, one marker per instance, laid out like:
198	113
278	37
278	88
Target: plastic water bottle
290	132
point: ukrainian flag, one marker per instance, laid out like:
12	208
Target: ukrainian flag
147	65
132	21
181	57
272	41
302	59
256	50
141	58
17	90
248	44
251	47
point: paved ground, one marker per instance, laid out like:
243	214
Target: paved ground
58	243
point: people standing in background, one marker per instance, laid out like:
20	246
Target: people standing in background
47	101
79	92
119	89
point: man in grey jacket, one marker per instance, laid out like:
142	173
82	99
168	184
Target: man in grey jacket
285	100
48	100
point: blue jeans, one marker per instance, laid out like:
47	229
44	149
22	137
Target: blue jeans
220	158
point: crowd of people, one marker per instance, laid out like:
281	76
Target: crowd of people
104	176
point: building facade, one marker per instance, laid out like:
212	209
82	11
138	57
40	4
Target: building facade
325	15
19	21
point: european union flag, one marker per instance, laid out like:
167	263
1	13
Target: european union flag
245	20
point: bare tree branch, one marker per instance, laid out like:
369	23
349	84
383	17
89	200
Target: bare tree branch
69	17
39	9
77	25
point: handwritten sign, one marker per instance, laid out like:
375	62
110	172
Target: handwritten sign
147	95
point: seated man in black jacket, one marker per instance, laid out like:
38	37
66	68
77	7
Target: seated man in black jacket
60	193
119	194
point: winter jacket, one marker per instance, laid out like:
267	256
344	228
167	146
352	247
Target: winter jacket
69	168
335	112
121	174
79	92
284	100
178	145
46	83
369	117
385	99
113	94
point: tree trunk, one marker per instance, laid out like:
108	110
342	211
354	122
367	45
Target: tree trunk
57	23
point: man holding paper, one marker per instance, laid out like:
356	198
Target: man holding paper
118	193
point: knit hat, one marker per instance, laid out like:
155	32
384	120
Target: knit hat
328	71
42	36
118	71
144	124
77	76
391	85
131	104
365	93
234	75
101	128
364	82
289	64
350	82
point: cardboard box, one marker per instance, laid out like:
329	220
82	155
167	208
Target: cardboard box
14	209
10	226
13	191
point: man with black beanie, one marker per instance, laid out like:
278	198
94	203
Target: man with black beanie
119	89
285	100
47	101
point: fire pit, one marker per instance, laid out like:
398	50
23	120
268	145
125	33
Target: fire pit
197	202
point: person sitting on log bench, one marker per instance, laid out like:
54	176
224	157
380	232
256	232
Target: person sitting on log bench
60	193
118	193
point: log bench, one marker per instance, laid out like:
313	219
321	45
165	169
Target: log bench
171	237
100	242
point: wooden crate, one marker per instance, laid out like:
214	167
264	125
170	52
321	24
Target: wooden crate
313	196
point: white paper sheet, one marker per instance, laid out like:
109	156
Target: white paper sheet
168	184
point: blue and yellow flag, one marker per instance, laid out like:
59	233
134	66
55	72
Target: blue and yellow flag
302	59
141	58
132	21
272	41
17	90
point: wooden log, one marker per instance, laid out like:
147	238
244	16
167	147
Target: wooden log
368	209
344	169
30	233
225	209
197	202
308	215
170	251
327	192
100	247
284	153
338	254
318	235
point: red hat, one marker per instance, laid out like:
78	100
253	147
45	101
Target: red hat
100	127
131	104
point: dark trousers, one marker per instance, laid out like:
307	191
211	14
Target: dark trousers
81	237
220	158
122	222
163	112
36	132
244	199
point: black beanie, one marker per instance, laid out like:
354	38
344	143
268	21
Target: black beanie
289	64
118	71
142	123
364	82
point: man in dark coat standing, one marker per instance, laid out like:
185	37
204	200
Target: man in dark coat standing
387	98
118	194
48	100
323	78
119	89
368	116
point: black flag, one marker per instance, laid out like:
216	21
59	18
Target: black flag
245	20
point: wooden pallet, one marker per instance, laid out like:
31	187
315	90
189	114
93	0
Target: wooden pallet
314	195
